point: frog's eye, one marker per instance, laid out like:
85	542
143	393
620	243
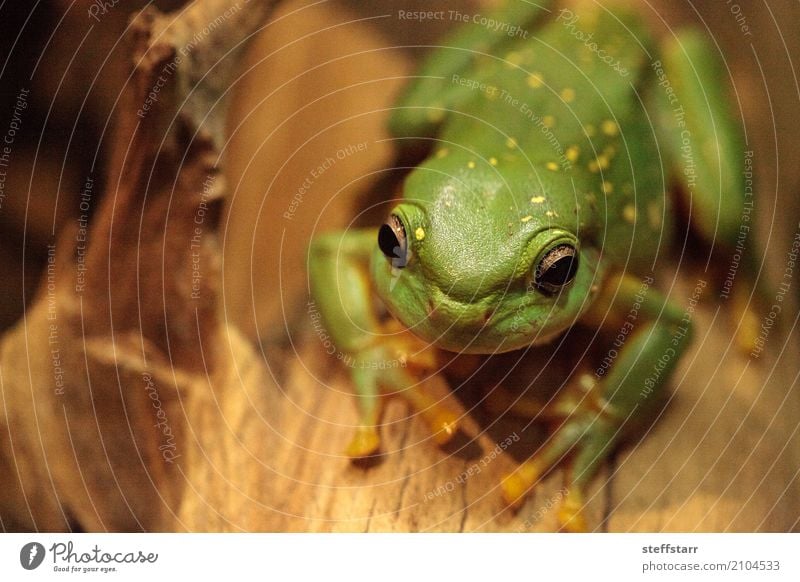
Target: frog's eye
556	269
393	242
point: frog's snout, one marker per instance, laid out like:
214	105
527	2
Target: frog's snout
451	324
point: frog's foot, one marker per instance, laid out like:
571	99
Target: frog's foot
365	443
570	513
588	442
403	367
585	436
519	484
442	422
748	325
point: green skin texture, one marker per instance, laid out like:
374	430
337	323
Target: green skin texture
600	177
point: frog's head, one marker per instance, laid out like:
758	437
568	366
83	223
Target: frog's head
462	266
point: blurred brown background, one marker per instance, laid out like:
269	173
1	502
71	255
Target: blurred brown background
319	80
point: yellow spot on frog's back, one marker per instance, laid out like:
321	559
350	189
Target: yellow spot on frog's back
537	199
434	115
470	164
608	187
594	167
419	234
587	382
442	153
526	218
535	80
609	127
549	121
568	94
550	214
493	161
511	143
629	213
513	58
654	211
602	162
552	166
572	153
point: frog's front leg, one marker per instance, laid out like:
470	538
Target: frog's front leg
592	421
385	358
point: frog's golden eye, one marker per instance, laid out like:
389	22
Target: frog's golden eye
556	269
393	242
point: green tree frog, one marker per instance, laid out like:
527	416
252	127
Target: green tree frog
556	157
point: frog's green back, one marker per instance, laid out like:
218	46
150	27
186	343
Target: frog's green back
553	129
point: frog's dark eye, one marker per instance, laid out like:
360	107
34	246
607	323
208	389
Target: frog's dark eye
393	242
556	269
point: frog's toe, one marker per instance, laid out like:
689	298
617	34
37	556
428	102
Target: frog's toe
570	513
366	443
749	324
443	424
517	485
441	420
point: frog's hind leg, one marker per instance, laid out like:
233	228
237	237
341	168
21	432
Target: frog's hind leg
583	438
703	144
617	402
422	107
700	138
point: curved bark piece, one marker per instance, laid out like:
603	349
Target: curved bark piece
98	378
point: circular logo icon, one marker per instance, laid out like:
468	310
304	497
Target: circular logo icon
31	555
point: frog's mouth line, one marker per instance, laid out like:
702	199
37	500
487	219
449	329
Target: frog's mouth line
471	335
480	327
